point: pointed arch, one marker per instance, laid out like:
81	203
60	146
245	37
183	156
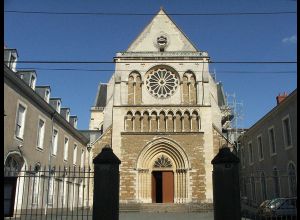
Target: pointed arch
134	88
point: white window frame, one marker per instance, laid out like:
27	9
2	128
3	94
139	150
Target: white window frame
82	157
286	146
54	142
260	157
289	183
251	153
66	148
47	95
40	145
270	141
243	156
279	182
22	129
32	82
75	149
51	190
36	190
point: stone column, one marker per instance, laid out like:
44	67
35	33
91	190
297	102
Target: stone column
106	185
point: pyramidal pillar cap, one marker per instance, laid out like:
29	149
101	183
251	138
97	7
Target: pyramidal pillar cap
225	156
106	156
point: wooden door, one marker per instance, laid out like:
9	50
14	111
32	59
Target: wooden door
168	186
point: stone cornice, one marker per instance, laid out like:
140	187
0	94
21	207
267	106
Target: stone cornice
161	106
178	54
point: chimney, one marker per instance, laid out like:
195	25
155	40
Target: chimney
281	97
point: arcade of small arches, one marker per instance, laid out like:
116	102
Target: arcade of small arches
161	82
161	121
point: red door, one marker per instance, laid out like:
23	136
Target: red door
168	186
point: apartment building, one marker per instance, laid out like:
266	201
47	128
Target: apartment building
268	153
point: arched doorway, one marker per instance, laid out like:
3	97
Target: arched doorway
162	173
14	166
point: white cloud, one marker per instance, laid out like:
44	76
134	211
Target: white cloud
290	40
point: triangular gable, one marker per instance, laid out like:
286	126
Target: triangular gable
161	25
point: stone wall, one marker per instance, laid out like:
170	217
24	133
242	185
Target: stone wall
133	144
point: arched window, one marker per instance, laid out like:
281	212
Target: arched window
13	165
186	121
276	182
178	123
263	186
195	121
153	122
292	179
189	90
253	189
128	122
162	122
137	121
145	121
170	122
134	88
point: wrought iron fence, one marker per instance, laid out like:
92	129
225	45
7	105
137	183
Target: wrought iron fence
268	196
48	193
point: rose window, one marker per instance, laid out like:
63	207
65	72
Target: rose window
161	83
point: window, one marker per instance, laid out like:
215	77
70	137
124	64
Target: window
272	141
35	185
75	154
263	186
32	82
12	61
250	153
47	95
260	148
82	158
20	122
292	179
242	156
253	189
51	190
276	182
41	133
54	141
66	146
58	107
287	132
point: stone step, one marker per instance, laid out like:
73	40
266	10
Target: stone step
166	207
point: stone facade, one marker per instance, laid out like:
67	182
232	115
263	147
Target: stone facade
161	108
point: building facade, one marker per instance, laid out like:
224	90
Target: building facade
161	114
39	136
268	153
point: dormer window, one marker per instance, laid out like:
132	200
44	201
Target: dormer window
47	95
58	107
32	82
12	62
21	76
68	116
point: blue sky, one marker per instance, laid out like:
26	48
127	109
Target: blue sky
99	38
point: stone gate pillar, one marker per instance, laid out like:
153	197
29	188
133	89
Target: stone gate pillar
106	185
226	189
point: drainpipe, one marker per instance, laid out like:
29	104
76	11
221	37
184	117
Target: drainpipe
49	160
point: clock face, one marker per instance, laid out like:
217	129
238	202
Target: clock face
161	83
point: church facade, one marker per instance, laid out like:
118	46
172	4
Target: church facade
161	112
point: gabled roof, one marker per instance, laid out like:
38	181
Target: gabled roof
161	24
